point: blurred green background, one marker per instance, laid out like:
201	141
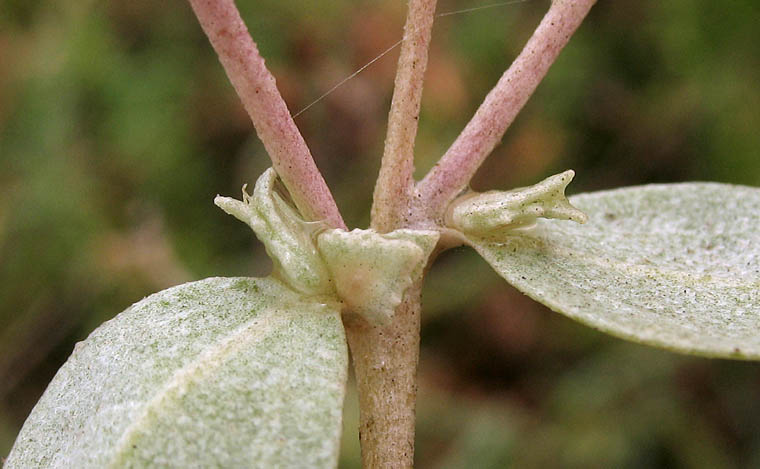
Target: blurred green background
118	127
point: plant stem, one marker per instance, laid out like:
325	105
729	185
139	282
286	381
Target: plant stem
395	183
385	361
257	89
455	169
385	358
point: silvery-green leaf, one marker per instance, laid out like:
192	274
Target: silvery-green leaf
675	266
224	372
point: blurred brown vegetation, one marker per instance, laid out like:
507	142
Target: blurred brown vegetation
118	126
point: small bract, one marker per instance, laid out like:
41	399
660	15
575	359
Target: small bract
494	213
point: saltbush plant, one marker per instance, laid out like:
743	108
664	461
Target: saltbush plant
236	372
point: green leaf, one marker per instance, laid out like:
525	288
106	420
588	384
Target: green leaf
674	266
224	372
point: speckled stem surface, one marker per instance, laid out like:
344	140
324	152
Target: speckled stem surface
393	189
455	169
257	89
385	361
385	357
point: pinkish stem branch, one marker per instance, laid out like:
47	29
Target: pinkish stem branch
394	186
257	89
455	169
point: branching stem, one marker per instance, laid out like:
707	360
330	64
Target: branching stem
385	358
455	169
256	87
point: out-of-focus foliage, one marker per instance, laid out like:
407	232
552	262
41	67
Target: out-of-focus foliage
118	127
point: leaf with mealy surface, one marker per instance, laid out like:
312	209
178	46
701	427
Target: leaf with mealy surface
224	372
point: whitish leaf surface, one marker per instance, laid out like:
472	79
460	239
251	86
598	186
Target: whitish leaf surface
675	266
224	372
